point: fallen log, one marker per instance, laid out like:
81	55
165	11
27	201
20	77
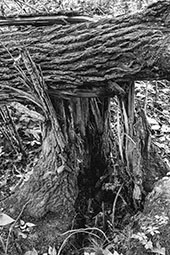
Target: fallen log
90	54
91	59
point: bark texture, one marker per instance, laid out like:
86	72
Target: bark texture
75	137
48	193
91	61
93	53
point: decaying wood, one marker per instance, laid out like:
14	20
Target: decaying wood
82	65
93	53
69	135
44	20
51	184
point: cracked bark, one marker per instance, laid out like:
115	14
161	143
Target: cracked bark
82	58
92	53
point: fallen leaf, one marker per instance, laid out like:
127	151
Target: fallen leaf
5	219
33	252
152	121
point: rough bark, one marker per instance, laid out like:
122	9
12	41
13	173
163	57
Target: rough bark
48	193
75	144
92	59
93	53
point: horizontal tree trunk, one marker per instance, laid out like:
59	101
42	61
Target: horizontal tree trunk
93	53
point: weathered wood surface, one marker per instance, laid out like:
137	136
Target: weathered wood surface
48	194
63	18
92	53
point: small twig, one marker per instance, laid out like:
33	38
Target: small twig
131	107
7	5
28	5
12	226
84	229
114	204
132	141
146	97
16	134
125	117
20	6
76	231
8	51
119	135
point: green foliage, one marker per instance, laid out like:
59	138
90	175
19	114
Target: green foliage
149	230
154	98
28	125
147	243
